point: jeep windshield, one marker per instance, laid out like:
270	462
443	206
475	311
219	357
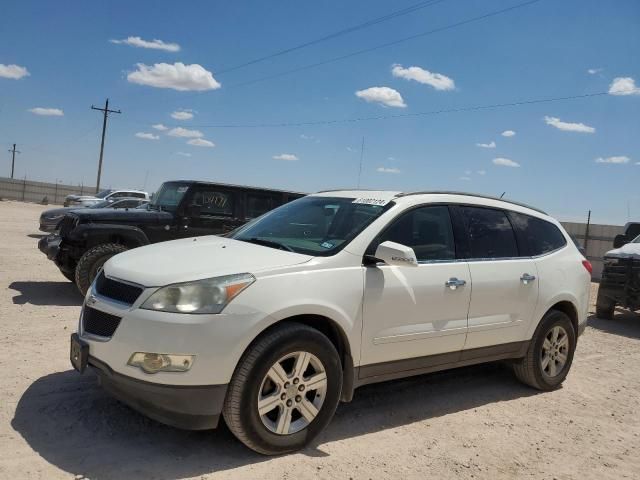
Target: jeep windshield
168	197
319	226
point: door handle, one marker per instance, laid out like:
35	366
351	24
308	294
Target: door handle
526	278
454	283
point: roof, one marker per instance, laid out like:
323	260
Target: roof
390	195
232	185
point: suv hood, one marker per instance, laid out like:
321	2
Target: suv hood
122	216
630	250
196	258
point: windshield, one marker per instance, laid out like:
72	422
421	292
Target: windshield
102	204
318	226
169	196
103	193
636	240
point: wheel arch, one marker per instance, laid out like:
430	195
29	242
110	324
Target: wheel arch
564	304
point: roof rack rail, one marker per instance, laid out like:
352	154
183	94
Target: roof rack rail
478	195
350	190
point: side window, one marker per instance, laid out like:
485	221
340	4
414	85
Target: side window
540	236
136	195
490	233
427	230
257	205
116	195
213	203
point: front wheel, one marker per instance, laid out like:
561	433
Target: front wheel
285	389
605	307
92	261
550	353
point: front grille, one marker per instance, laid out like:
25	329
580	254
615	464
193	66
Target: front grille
99	323
119	291
67	224
621	272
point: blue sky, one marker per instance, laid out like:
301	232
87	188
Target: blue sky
546	49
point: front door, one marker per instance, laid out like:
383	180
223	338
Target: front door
505	283
415	317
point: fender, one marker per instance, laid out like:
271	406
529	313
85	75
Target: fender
541	309
95	233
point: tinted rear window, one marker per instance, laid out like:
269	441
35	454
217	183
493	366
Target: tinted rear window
539	235
490	233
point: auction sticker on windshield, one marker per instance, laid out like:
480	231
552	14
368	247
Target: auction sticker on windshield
372	201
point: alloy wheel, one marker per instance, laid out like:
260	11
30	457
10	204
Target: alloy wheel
554	352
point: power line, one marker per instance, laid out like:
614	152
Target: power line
388	44
106	113
345	31
405	115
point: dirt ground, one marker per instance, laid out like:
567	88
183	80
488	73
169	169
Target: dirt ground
476	422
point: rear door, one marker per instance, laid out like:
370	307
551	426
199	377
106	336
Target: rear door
505	279
211	210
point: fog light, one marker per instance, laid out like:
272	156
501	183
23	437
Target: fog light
161	362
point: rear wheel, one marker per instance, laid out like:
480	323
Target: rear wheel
285	390
550	353
92	261
605	307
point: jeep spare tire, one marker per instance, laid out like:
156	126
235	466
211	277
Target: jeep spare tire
92	261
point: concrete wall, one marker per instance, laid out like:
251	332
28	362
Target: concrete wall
30	191
599	242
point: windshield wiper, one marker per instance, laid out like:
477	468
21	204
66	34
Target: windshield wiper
268	243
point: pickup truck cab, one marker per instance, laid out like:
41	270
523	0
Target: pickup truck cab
87	238
276	323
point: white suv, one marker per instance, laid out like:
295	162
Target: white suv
274	325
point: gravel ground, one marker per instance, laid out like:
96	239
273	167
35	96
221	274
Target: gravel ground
476	422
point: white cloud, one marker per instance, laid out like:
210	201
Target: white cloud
388	170
159	126
178	76
593	71
147	136
505	162
183	154
420	75
383	95
351	149
47	112
201	142
467	172
620	159
306	137
623	86
289	157
184	132
487	145
392	159
466	179
508	133
182	115
14	72
567	126
481	172
154	44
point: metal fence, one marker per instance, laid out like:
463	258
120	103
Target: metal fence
596	239
40	192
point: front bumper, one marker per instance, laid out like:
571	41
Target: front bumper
50	246
187	407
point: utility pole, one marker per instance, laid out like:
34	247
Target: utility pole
106	113
361	159
13	158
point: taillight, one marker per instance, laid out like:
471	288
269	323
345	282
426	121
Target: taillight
588	266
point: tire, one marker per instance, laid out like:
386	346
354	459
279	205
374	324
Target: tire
531	369
605	307
91	262
71	276
253	375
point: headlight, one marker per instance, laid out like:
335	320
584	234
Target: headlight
202	296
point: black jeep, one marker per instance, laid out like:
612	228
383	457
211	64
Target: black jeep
88	238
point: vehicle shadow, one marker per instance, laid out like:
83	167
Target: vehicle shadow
74	425
624	323
64	294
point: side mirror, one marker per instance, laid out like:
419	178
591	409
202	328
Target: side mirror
620	240
396	254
